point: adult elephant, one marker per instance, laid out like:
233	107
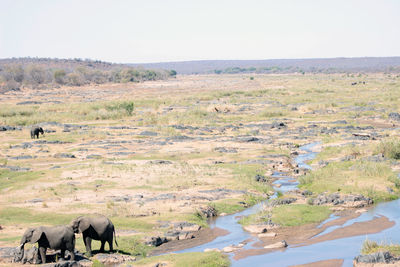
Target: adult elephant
56	237
35	132
97	228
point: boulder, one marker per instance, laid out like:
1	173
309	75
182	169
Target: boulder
256	228
270	234
113	259
281	244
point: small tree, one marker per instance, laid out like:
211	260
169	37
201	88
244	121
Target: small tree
59	76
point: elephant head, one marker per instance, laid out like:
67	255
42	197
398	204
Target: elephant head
41	130
80	224
31	235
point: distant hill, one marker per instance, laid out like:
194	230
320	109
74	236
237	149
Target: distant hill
327	65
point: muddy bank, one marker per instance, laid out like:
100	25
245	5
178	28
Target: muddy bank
201	237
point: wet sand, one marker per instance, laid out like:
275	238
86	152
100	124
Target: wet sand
325	263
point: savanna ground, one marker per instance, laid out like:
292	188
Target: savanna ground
150	154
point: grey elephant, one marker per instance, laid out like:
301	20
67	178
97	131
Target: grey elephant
57	237
35	132
97	228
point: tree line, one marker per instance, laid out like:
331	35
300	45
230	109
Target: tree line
47	73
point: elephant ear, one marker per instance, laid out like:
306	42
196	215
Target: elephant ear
36	235
84	224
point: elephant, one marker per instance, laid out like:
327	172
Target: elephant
35	132
97	228
57	237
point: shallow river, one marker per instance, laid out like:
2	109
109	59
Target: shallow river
344	248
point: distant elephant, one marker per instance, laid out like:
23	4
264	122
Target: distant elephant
97	228
35	132
57	237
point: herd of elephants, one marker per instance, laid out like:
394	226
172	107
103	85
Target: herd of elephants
62	237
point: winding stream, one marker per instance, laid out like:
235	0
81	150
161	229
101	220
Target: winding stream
344	248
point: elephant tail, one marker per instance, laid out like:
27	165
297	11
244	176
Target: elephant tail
115	237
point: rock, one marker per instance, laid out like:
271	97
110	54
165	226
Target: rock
223	214
148	133
256	229
35	200
361	211
23	157
63	264
282	201
228	249
156	241
31	256
225	150
113	259
10	254
270	234
281	244
187	227
160	161
183	236
379	257
93	156
394	116
64	155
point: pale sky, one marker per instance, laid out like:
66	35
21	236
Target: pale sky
177	30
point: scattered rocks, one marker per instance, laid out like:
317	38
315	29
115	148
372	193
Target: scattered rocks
208	211
187	227
353	201
113	259
15	168
4	128
23	157
379	257
93	156
281	244
364	136
260	178
30	102
211	249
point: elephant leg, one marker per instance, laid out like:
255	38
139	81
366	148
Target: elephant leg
42	251
62	254
88	244
110	244
102	245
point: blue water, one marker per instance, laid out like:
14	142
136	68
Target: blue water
345	248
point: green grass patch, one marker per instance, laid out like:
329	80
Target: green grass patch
13	180
390	148
370	247
289	215
228	206
194	259
370	179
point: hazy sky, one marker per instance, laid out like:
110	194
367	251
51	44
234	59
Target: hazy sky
175	30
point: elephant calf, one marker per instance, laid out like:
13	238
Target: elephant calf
35	132
57	237
97	228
